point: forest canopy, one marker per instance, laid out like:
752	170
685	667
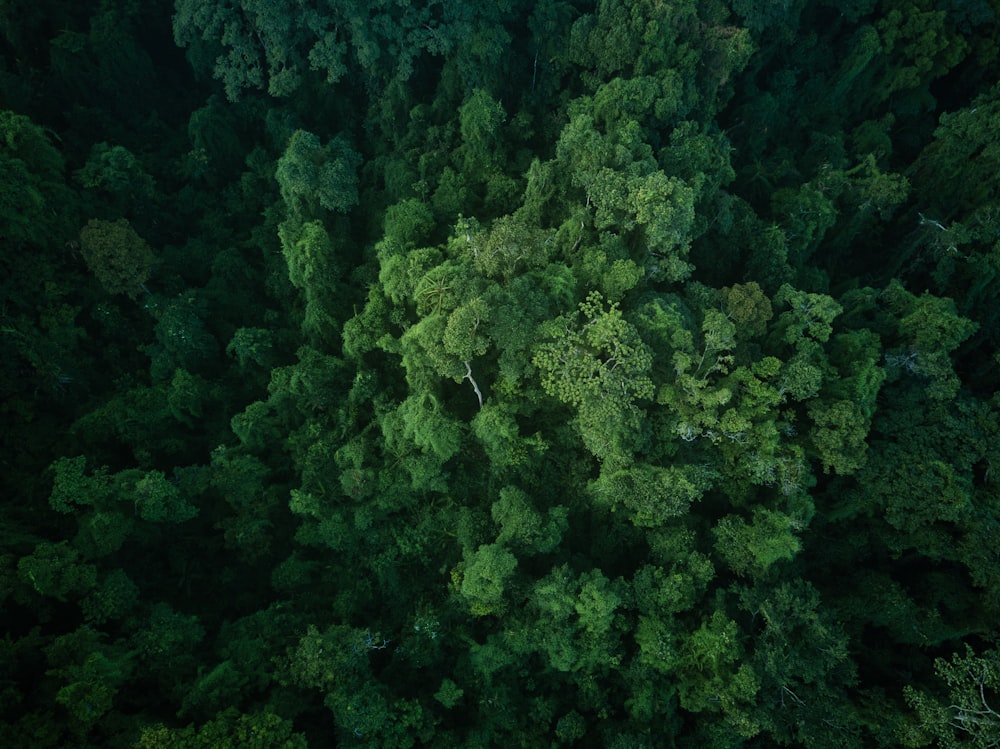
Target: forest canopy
615	373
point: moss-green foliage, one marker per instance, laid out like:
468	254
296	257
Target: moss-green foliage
117	255
441	374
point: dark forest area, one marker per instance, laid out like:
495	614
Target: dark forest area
430	373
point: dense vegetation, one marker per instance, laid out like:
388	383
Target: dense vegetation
466	374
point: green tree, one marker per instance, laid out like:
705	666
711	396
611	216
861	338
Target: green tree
753	548
651	494
153	496
314	177
929	329
600	360
525	529
56	570
480	120
484	580
31	182
713	675
117	175
963	713
230	729
119	258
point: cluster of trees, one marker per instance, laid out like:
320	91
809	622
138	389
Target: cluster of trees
563	373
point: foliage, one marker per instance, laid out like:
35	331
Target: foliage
117	255
540	373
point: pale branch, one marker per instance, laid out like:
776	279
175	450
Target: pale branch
470	378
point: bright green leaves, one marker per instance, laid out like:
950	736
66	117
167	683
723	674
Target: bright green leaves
106	505
838	435
663	591
619	177
857	355
464	332
314	177
748	308
485	578
929	323
953	173
602	357
449	694
230	729
752	548
571	621
313	268
509	245
404	275
497	431
480	119
623	99
308	252
90	673
525	529
155	498
260	45
421	421
585	152
664	208
632	39
808	314
596	603
599	366
713	675
652	494
117	174
72	486
876	190
691	394
439	288
408	222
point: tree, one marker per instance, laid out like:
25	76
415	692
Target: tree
801	656
314	177
752	548
652	494
600	367
713	675
117	255
229	729
91	675
314	269
116	174
602	357
523	528
31	182
920	35
484	579
971	685
571	622
508	243
56	570
928	329
480	119
154	497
